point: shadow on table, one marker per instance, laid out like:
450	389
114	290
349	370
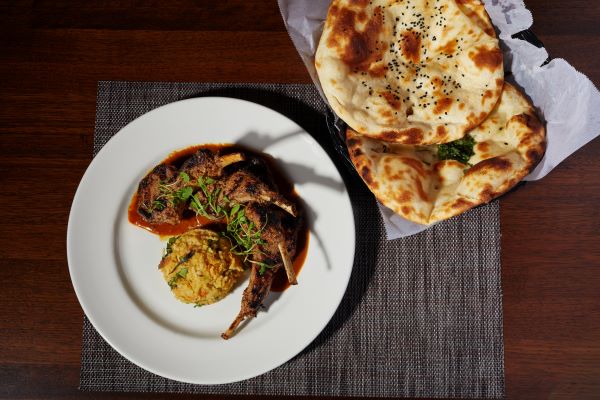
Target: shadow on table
367	221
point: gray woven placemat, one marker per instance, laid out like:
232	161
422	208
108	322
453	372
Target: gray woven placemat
422	316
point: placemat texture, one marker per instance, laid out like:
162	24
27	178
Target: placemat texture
422	316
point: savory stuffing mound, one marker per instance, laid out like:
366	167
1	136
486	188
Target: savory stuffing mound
200	267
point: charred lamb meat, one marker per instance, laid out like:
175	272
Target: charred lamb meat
253	183
159	196
153	203
278	234
208	163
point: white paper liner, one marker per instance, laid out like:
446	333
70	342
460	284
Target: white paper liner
567	100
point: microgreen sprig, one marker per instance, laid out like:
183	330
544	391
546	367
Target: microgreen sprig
245	237
182	273
169	196
210	208
170	243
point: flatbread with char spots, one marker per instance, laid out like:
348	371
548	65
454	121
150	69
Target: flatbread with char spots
415	183
410	71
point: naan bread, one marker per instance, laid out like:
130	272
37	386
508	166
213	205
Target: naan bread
414	183
410	71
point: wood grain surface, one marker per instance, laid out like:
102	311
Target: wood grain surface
53	53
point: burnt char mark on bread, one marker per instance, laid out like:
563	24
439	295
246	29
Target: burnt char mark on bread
496	163
408	136
484	57
356	45
410	45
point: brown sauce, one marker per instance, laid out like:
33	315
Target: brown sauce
280	280
190	220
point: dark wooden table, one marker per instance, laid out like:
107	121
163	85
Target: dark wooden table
53	53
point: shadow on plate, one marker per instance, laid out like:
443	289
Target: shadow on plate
309	118
366	215
368	225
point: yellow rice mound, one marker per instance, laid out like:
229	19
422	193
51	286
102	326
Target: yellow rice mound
200	267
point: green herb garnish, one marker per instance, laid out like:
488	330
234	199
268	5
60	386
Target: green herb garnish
169	248
173	281
184	177
460	150
183	194
211	208
198	207
244	236
182	273
168	196
183	260
158	205
263	266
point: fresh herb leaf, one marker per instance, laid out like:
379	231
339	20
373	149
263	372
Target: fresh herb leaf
184	194
169	248
158	205
173	281
172	240
211	207
169	196
263	266
244	236
182	272
182	260
234	210
197	206
460	150
184	177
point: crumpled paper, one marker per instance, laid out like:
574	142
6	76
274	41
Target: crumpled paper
566	99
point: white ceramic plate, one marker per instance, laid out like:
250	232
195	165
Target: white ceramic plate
113	264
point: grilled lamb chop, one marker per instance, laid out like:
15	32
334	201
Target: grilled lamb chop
152	205
207	163
155	192
279	234
244	187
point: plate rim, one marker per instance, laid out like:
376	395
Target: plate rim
106	148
